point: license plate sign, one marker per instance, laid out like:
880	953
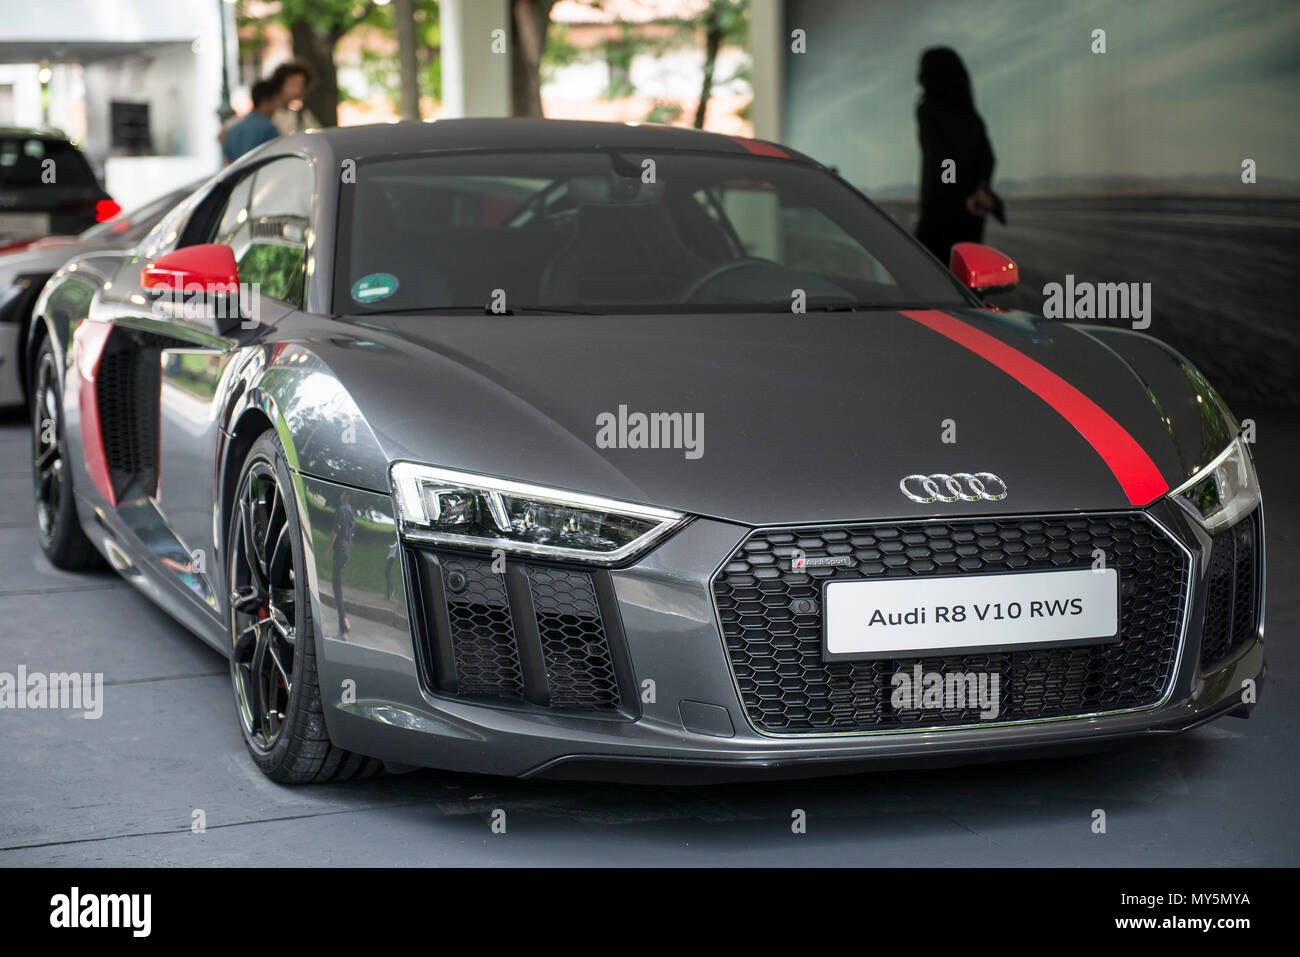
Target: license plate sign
24	225
893	618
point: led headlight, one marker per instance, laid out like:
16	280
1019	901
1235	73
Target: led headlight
461	508
1224	491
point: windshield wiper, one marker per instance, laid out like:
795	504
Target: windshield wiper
538	310
846	305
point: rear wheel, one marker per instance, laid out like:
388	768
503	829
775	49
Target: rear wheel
58	529
273	649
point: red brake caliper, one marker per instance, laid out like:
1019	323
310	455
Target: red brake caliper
263	613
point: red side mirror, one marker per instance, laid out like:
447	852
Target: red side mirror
211	266
983	268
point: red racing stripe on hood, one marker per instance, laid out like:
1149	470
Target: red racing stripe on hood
1132	467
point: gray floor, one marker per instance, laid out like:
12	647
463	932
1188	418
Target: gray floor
122	790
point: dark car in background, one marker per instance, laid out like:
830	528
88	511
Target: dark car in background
47	186
25	266
424	455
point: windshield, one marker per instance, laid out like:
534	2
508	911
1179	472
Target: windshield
604	231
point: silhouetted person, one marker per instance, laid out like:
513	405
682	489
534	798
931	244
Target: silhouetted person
950	129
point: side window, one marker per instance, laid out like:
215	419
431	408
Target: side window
755	215
265	221
233	228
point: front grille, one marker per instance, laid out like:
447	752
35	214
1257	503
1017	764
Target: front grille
771	620
531	633
1231	602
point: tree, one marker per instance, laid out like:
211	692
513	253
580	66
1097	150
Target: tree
529	23
407	56
385	70
316	27
724	21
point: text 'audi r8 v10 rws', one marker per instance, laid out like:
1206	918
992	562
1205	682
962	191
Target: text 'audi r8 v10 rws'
591	450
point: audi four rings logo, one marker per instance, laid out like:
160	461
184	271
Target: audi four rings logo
960	486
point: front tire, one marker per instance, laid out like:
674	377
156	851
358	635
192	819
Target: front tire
272	635
58	529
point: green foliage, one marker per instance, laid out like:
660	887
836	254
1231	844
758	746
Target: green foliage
731	18
329	16
559	52
618	56
277	267
381	70
337	17
666	113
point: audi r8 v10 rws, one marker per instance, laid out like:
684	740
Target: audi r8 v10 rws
591	450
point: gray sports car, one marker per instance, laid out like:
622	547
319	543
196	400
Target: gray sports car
594	450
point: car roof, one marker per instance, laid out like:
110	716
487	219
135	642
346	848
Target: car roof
44	133
387	139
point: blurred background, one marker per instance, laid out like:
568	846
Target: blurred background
1117	166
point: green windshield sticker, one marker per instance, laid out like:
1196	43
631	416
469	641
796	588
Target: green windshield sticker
376	286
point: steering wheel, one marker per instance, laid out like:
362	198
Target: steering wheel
721	269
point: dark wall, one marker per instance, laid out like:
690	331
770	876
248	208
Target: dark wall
1123	166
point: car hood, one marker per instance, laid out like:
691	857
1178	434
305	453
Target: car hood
811	418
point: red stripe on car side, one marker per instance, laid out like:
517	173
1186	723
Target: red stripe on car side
88	344
1132	467
760	148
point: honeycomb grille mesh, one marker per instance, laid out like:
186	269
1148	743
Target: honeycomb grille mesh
774	646
528	632
579	669
482	633
126	390
1231	605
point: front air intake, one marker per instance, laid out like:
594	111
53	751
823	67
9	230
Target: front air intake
1231	599
531	634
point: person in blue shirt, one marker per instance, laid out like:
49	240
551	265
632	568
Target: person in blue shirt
255	127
